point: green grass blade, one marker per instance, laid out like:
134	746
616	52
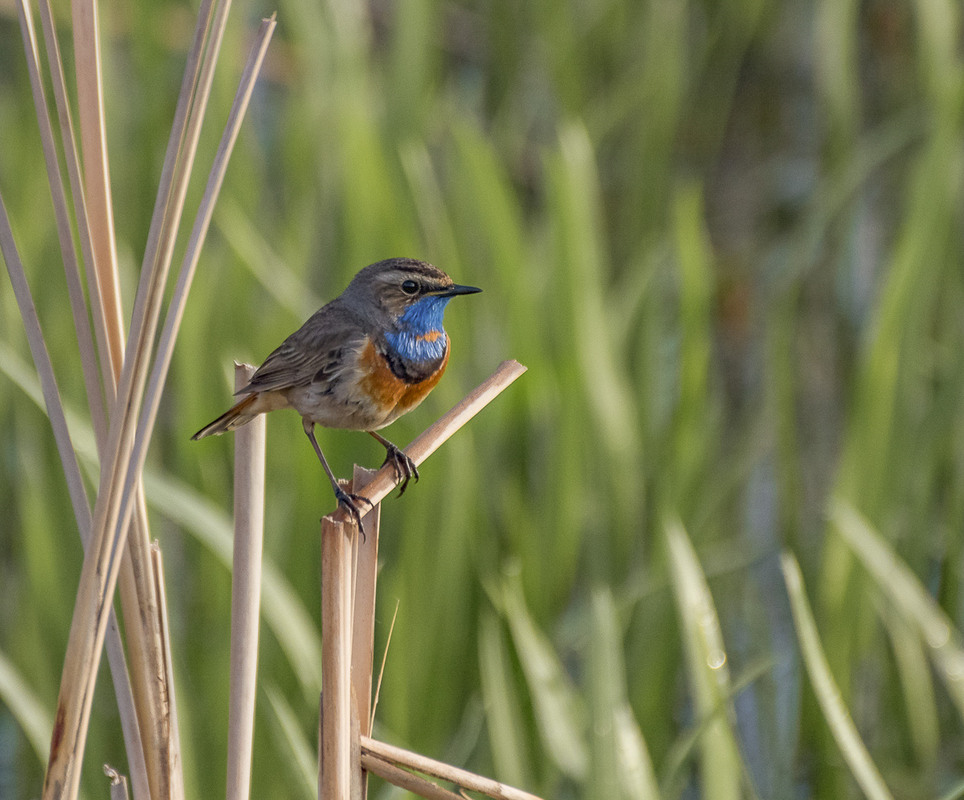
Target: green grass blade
620	762
34	720
507	735
559	710
304	756
917	685
706	664
904	590
828	694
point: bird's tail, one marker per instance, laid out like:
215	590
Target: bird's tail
239	414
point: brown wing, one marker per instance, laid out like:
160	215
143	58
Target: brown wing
315	353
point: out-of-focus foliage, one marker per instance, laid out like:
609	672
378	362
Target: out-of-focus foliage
726	240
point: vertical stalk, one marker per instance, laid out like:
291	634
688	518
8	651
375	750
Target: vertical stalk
335	745
363	621
245	594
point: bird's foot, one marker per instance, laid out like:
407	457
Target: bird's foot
405	468
350	503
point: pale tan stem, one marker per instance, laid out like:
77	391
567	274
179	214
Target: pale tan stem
438	769
335	745
364	581
171	752
406	780
249	452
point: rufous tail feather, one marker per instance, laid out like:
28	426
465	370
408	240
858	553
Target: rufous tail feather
236	416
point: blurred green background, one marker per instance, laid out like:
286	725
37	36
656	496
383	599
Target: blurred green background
725	237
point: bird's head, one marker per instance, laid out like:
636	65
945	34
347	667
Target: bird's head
413	294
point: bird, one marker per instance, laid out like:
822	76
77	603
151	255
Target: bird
359	363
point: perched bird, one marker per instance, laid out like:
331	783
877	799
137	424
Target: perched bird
359	363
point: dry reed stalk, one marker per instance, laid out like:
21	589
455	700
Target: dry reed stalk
120	474
436	434
115	652
363	605
249	450
55	413
140	593
75	291
359	782
137	587
171	766
365	575
175	312
334	757
403	779
108	357
93	146
375	751
348	602
130	587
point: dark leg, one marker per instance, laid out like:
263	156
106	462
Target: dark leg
349	501
405	468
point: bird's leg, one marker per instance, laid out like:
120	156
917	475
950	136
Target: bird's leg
349	501
405	468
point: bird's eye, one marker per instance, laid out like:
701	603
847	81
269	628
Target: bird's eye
410	287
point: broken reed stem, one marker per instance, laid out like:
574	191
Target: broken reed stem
436	434
249	452
374	751
118	783
334	757
348	601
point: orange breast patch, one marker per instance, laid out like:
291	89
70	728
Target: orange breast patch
390	395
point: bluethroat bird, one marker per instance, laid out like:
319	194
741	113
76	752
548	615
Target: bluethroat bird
359	362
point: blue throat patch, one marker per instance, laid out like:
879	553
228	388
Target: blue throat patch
414	340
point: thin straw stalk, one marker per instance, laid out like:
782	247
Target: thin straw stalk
363	614
93	145
75	291
374	752
249	443
172	751
403	779
110	344
364	576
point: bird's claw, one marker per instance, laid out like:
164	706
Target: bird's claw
404	467
350	503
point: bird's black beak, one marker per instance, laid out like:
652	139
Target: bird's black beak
451	291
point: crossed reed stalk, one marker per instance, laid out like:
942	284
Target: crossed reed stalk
124	375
